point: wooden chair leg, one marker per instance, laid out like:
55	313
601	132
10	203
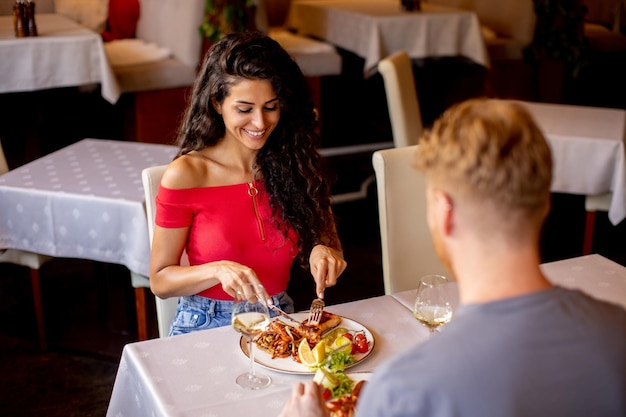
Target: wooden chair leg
140	307
590	220
36	288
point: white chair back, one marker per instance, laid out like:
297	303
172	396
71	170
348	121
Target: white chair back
407	249
402	102
173	24
165	308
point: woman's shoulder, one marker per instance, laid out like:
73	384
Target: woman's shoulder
187	171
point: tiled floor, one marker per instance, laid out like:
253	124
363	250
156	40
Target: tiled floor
89	306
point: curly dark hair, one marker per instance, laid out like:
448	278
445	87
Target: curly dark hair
291	167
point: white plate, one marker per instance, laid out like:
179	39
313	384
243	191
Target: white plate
288	365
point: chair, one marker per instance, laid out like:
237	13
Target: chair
157	91
33	261
407	248
402	102
165	308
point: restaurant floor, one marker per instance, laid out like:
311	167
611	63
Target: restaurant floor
89	306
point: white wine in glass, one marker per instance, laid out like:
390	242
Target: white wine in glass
432	305
250	317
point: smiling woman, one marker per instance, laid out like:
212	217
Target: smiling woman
246	194
250	113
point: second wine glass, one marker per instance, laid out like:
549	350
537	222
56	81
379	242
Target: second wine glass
432	305
250	317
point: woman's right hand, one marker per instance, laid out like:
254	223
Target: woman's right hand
170	278
233	275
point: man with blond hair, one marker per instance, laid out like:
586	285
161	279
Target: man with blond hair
518	345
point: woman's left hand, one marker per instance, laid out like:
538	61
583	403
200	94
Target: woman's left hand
326	266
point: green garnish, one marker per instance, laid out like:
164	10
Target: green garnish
344	387
339	361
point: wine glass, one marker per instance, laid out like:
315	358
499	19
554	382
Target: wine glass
250	317
432	305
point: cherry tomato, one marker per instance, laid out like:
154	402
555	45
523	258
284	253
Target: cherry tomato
361	343
326	394
348	335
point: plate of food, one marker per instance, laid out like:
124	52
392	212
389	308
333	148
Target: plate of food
279	347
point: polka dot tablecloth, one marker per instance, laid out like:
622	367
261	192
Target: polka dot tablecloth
194	374
85	201
593	274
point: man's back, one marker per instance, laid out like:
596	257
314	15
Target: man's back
552	353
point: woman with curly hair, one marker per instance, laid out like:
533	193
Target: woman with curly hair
245	196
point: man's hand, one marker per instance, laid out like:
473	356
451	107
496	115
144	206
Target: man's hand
306	401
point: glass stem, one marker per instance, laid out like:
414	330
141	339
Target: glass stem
252	373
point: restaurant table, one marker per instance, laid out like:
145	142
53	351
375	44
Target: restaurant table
84	201
374	29
593	274
588	150
65	54
194	374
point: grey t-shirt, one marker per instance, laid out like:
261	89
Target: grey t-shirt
557	352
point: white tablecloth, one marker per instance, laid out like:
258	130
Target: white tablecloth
194	374
593	274
65	54
84	201
374	29
588	148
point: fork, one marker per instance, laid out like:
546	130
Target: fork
315	313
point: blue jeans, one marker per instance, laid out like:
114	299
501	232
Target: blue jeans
200	313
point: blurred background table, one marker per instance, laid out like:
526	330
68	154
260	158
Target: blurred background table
374	29
588	150
85	201
65	54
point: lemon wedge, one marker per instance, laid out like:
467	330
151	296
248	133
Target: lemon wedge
325	379
330	337
340	342
311	357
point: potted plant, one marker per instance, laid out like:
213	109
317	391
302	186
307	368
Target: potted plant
226	16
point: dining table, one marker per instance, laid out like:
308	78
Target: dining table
194	374
374	29
84	201
64	54
588	147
